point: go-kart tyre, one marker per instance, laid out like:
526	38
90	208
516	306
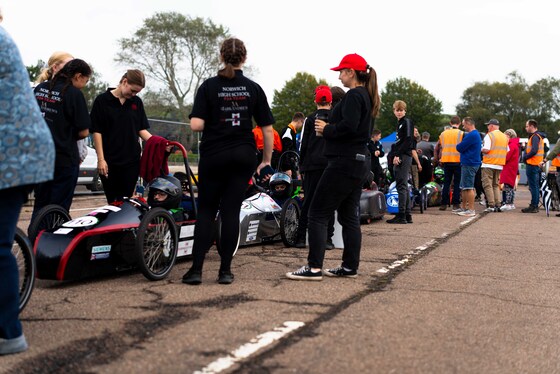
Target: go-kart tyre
48	217
156	244
22	251
289	221
218	235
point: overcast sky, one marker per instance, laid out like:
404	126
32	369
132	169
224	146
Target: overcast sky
444	45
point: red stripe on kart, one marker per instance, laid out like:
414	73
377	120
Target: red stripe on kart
68	251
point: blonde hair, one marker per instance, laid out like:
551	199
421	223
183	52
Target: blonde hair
56	59
399	105
134	76
511	133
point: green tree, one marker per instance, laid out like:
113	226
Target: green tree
513	102
177	51
422	107
94	88
297	95
35	70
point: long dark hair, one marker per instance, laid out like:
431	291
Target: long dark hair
69	71
369	77
233	53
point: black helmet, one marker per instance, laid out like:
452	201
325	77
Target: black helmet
168	185
277	180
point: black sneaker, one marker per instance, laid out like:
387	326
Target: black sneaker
530	209
193	277
300	244
340	272
497	209
398	218
329	245
408	218
305	273
225	277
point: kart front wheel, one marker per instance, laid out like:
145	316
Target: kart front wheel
22	251
156	244
289	221
48	217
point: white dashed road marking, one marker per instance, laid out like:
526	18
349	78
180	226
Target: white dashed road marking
248	349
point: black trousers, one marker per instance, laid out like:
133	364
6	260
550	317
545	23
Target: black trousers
223	180
121	181
339	189
451	172
59	191
310	182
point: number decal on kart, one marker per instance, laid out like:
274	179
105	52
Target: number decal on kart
81	222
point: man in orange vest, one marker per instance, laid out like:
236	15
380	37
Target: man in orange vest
554	156
494	151
276	149
446	153
534	155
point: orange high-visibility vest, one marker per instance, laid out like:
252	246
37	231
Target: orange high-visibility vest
259	139
498	149
539	156
449	140
556	161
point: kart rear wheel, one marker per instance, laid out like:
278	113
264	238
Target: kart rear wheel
48	217
219	235
22	251
156	244
289	221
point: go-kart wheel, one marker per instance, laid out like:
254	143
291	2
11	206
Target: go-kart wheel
156	244
48	217
22	251
289	221
218	235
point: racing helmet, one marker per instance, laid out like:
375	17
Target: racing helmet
280	186
168	185
438	175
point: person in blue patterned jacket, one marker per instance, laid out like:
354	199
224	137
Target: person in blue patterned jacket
26	158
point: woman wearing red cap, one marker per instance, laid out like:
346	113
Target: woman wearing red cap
346	135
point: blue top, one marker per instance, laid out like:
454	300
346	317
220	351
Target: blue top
470	148
26	145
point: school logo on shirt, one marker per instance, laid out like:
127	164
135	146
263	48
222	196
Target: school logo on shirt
235	119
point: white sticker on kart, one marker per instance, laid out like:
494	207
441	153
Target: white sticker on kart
62	231
105	209
252	230
101	249
185	248
81	222
186	231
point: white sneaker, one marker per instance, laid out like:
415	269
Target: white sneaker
482	202
506	207
467	213
458	210
489	209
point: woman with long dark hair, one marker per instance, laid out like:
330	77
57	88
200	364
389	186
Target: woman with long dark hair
346	136
223	110
64	109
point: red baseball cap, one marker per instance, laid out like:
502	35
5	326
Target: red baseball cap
352	61
323	94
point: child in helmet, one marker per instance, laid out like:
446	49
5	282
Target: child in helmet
165	192
280	187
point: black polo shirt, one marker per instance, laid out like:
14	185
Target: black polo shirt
119	125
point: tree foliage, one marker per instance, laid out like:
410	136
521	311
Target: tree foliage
35	70
177	51
297	95
513	102
422	107
94	88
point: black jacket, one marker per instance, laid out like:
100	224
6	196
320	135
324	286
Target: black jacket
404	143
312	148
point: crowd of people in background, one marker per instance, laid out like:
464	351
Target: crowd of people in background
338	146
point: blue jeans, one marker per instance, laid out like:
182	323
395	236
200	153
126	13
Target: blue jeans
533	177
468	174
11	201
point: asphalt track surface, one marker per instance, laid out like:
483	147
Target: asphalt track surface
445	294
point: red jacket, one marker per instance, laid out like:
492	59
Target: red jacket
509	173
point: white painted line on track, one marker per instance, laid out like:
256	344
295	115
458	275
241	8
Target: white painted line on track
248	349
407	257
